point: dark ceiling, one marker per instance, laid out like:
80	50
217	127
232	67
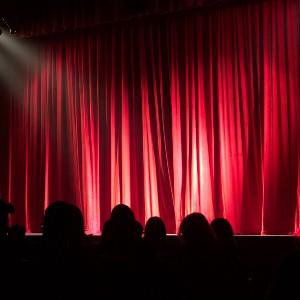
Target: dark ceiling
23	14
21	9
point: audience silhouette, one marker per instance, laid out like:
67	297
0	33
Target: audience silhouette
155	237
198	259
122	233
155	230
230	267
129	262
196	233
123	253
63	229
225	236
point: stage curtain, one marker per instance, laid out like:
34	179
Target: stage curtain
173	114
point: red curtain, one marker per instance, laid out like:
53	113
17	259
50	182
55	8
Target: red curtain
169	115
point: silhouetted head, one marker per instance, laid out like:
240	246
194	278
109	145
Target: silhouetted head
196	230
121	213
121	225
63	223
155	229
222	229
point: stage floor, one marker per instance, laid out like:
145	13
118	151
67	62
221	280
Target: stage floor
174	235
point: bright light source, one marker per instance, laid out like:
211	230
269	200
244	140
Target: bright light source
6	26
